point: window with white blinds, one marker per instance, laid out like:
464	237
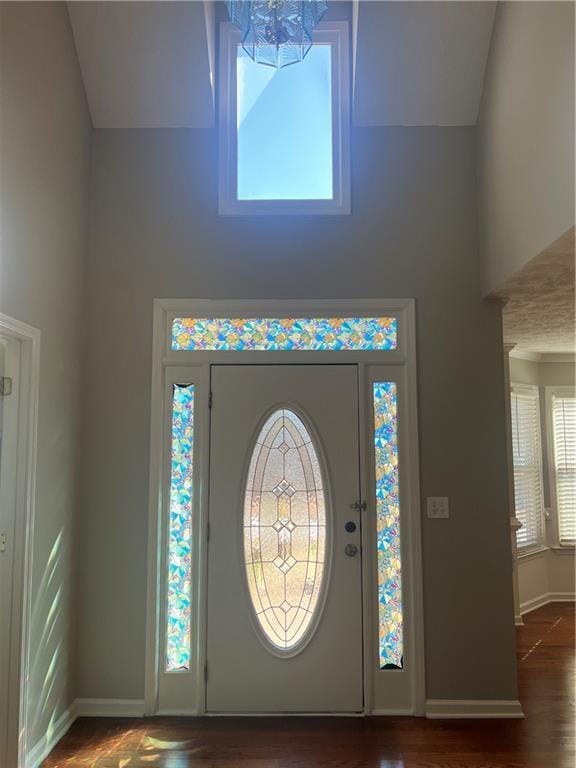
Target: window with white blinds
526	446
564	452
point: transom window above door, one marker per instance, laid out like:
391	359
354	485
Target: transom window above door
269	334
284	136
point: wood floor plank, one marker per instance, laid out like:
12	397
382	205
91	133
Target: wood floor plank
544	739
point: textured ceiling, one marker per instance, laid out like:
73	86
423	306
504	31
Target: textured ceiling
539	313
151	64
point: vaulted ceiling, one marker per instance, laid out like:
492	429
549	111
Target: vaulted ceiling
421	63
145	64
152	64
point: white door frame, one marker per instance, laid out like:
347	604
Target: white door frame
400	365
19	618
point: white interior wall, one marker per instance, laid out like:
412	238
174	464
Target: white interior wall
44	149
550	572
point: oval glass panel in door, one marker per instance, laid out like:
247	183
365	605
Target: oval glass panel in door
285	531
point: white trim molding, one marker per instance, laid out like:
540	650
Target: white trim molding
53	734
109	707
458	709
563	549
19	619
542	357
547	597
333	33
185	692
115	708
519	354
530	554
558	357
515	523
549	393
529	430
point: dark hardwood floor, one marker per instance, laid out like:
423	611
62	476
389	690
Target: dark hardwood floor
544	739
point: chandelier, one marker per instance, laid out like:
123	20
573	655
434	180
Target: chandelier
276	32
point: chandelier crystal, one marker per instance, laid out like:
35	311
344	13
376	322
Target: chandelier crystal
276	32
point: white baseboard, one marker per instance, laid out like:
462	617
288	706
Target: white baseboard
518	620
435	708
53	734
473	708
109	707
249	715
547	597
391	713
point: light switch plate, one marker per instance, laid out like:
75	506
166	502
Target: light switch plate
437	507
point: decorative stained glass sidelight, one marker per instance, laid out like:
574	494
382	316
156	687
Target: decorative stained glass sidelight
284	530
284	334
388	525
178	603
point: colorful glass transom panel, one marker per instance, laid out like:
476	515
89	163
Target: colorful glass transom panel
320	334
178	603
390	645
285	530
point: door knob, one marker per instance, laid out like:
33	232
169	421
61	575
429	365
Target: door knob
350	526
351	550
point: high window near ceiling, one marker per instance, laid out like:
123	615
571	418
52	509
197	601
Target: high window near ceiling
284	133
526	448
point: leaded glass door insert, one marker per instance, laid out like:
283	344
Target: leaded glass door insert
285	531
284	472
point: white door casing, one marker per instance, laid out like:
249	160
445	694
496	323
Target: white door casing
385	691
23	344
9	400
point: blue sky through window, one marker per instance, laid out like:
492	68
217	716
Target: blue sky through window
284	123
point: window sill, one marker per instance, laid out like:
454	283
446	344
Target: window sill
230	206
564	549
531	553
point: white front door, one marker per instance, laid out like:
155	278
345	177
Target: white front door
284	562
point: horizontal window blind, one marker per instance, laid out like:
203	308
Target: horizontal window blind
526	445
564	437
